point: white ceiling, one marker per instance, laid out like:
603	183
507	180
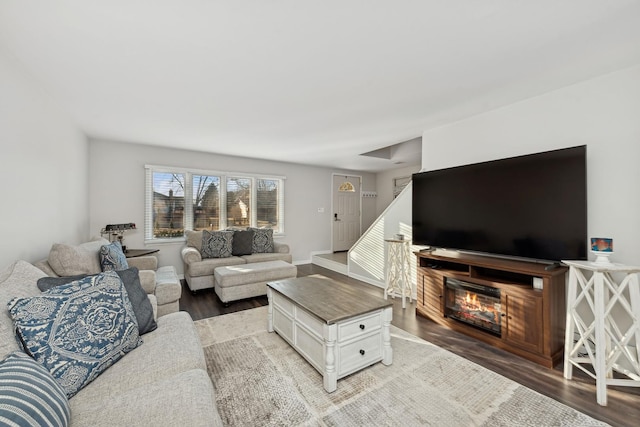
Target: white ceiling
307	81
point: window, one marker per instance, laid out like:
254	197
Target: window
178	200
168	204
206	202
239	202
267	198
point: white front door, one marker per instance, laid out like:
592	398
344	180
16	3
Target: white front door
346	211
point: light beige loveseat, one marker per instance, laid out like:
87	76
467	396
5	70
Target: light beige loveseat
163	382
199	272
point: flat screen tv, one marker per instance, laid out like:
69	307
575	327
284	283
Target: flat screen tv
532	206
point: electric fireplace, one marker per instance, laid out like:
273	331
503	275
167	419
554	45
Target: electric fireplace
473	304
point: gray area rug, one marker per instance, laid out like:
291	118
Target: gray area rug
261	381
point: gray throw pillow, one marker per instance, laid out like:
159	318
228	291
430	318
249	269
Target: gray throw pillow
142	307
243	242
262	240
217	244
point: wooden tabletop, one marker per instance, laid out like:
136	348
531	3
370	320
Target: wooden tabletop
327	299
134	253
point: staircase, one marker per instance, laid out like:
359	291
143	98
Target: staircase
367	259
336	261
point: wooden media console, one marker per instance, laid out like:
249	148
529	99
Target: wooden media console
514	305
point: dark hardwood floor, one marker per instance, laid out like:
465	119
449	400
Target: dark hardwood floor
623	407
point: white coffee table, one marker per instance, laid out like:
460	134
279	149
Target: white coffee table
336	328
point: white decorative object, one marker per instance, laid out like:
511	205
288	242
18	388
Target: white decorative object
602	258
606	338
602	248
398	274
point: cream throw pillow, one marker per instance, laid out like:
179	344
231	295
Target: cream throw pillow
67	260
194	239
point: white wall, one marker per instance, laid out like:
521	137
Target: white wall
603	113
117	193
43	168
384	185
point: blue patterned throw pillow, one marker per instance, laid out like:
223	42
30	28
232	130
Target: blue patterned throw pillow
77	330
29	396
262	240
112	257
217	244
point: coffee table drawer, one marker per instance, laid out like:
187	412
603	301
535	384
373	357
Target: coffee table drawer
358	354
359	326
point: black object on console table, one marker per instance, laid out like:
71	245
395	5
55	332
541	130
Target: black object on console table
531	309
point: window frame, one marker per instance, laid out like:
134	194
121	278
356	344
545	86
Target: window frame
188	218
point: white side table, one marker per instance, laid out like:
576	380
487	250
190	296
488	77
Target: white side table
398	274
605	315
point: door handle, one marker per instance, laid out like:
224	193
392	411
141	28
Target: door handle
335	217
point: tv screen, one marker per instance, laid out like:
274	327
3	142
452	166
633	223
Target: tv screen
532	206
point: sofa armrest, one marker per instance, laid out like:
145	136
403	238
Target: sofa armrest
148	262
281	248
190	255
154	305
148	281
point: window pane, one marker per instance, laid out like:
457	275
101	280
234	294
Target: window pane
267	203
238	202
168	205
206	202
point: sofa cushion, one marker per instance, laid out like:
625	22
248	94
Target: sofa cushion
184	399
242	242
67	260
172	348
137	296
267	257
206	267
217	244
29	395
112	257
77	330
262	240
259	272
17	280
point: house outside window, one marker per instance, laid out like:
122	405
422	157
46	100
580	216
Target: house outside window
177	200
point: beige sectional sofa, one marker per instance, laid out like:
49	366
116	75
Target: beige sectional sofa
163	382
199	272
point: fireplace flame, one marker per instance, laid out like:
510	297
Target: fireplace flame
480	308
471	300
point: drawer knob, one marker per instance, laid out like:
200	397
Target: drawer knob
362	352
362	327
